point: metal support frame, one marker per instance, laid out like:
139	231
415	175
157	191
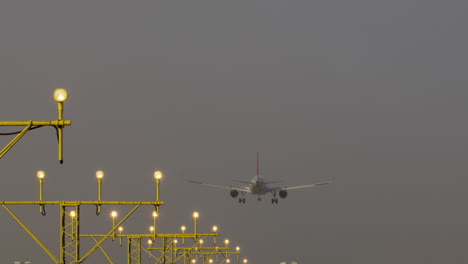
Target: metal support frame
169	253
134	249
60	96
70	233
59	124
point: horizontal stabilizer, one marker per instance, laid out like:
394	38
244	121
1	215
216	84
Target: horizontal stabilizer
272	182
247	182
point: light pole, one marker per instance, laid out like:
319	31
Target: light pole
174	250
226	242
120	233
99	176
182	228
195	220
60	95
158	176
41	176
215	230
113	215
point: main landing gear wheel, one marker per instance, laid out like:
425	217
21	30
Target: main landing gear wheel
242	200
274	200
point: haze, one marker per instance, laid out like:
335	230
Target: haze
371	94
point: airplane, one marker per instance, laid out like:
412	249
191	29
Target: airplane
258	186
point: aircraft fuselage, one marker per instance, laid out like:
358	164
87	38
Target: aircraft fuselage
258	186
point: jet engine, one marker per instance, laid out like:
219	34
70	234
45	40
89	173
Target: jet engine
283	194
234	193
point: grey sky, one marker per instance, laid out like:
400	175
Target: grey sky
370	93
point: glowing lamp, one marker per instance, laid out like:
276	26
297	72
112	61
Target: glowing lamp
99	174
40	174
158	175
60	95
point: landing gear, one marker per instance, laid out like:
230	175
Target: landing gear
259	199
274	200
242	198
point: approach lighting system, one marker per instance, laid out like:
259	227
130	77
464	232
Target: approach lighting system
71	235
60	95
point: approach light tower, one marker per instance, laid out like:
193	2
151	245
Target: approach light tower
60	95
70	222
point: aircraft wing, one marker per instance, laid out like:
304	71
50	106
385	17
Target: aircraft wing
301	186
241	189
